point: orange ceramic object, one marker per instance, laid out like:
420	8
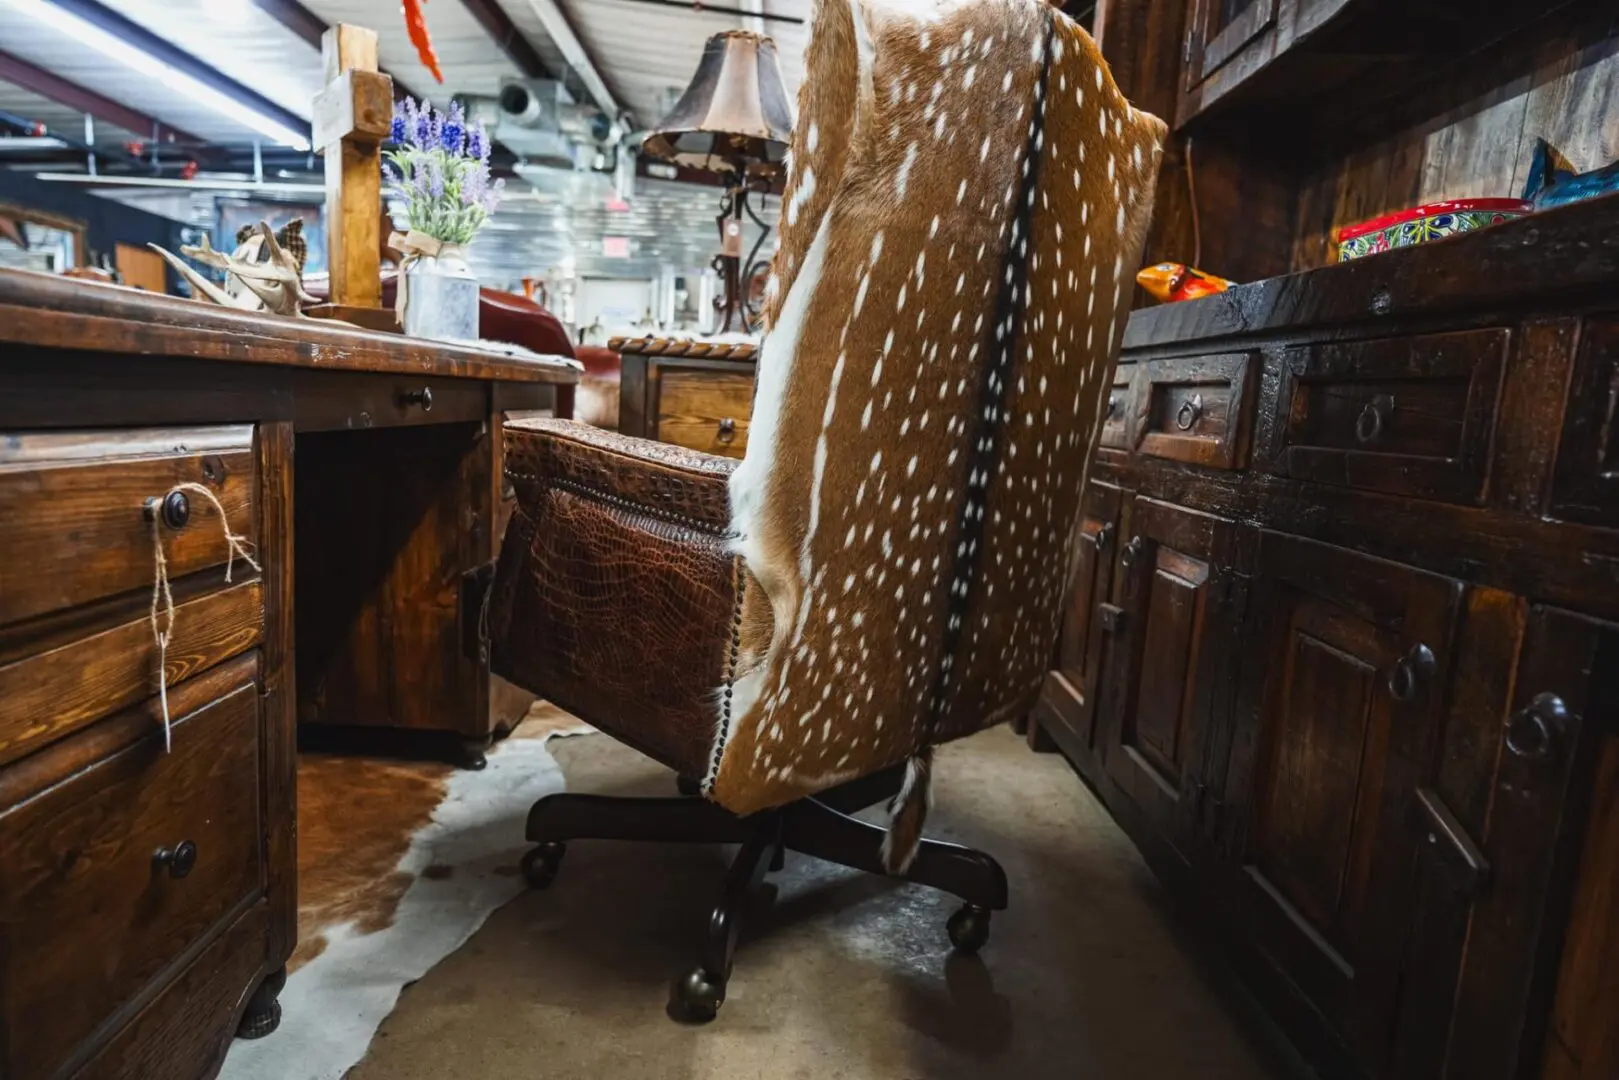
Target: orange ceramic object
416	26
1170	282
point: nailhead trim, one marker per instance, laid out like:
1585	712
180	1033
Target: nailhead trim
730	676
622	503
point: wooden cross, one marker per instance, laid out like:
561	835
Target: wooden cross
352	118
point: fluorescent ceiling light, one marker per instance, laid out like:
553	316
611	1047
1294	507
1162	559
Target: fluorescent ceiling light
110	45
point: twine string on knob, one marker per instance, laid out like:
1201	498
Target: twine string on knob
162	613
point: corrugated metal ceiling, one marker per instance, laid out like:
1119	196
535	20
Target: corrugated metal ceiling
645	54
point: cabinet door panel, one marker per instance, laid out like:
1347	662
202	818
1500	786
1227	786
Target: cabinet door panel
1163	668
1071	693
1346	691
1564	711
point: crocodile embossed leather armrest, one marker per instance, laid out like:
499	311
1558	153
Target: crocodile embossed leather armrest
615	596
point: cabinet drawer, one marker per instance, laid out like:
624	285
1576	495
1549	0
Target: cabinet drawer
1408	417
705	410
1586	486
1116	422
1195	409
73	504
89	914
53	693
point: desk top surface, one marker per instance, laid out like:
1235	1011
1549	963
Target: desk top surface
47	311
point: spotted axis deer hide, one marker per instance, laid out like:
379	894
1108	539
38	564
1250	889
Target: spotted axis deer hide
966	208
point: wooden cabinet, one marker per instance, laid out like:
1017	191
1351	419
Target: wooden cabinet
131	849
1173	635
1345	695
690	393
1359	706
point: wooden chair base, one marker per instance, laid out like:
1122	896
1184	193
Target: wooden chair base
820	827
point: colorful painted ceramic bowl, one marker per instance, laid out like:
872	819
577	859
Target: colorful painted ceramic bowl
1435	221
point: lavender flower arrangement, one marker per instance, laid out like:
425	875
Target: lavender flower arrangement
439	168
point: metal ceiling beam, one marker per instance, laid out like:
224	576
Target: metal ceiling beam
310	27
556	24
295	17
143	39
50	85
698	8
498	25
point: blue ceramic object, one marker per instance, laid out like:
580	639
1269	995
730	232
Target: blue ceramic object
1553	181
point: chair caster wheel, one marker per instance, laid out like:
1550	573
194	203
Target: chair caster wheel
541	862
969	928
698	997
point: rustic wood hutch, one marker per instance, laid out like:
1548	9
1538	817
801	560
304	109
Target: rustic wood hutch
1342	654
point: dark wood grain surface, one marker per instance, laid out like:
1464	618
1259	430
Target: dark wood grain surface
45	310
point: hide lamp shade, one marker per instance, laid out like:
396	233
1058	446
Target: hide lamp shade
735	115
734	119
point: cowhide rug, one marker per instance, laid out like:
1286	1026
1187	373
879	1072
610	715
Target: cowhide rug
398	864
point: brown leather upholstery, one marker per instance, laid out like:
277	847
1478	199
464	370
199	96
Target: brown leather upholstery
615	596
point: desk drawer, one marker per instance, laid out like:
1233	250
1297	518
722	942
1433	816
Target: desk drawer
1194	409
1409	416
73	504
88	914
54	692
705	410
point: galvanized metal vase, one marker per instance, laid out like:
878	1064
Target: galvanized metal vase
441	298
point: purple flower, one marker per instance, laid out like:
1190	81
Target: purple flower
476	185
418	182
454	135
491	198
477	143
435	179
422	133
396	133
391	174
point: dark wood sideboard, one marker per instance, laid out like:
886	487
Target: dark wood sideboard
1342	652
148	899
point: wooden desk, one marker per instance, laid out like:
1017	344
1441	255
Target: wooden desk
365	472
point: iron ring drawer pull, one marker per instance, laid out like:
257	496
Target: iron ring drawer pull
422	397
727	430
1369	424
1131	551
1104	536
1189	412
173	510
1533	731
179	860
1411	673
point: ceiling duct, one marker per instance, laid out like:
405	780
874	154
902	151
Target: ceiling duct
537	119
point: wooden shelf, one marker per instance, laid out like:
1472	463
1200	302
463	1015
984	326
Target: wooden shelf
1562	254
1327	72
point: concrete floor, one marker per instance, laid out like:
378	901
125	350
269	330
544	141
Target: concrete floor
842	975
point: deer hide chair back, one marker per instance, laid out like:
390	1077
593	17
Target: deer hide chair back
965	210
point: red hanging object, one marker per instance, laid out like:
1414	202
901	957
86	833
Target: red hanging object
416	25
